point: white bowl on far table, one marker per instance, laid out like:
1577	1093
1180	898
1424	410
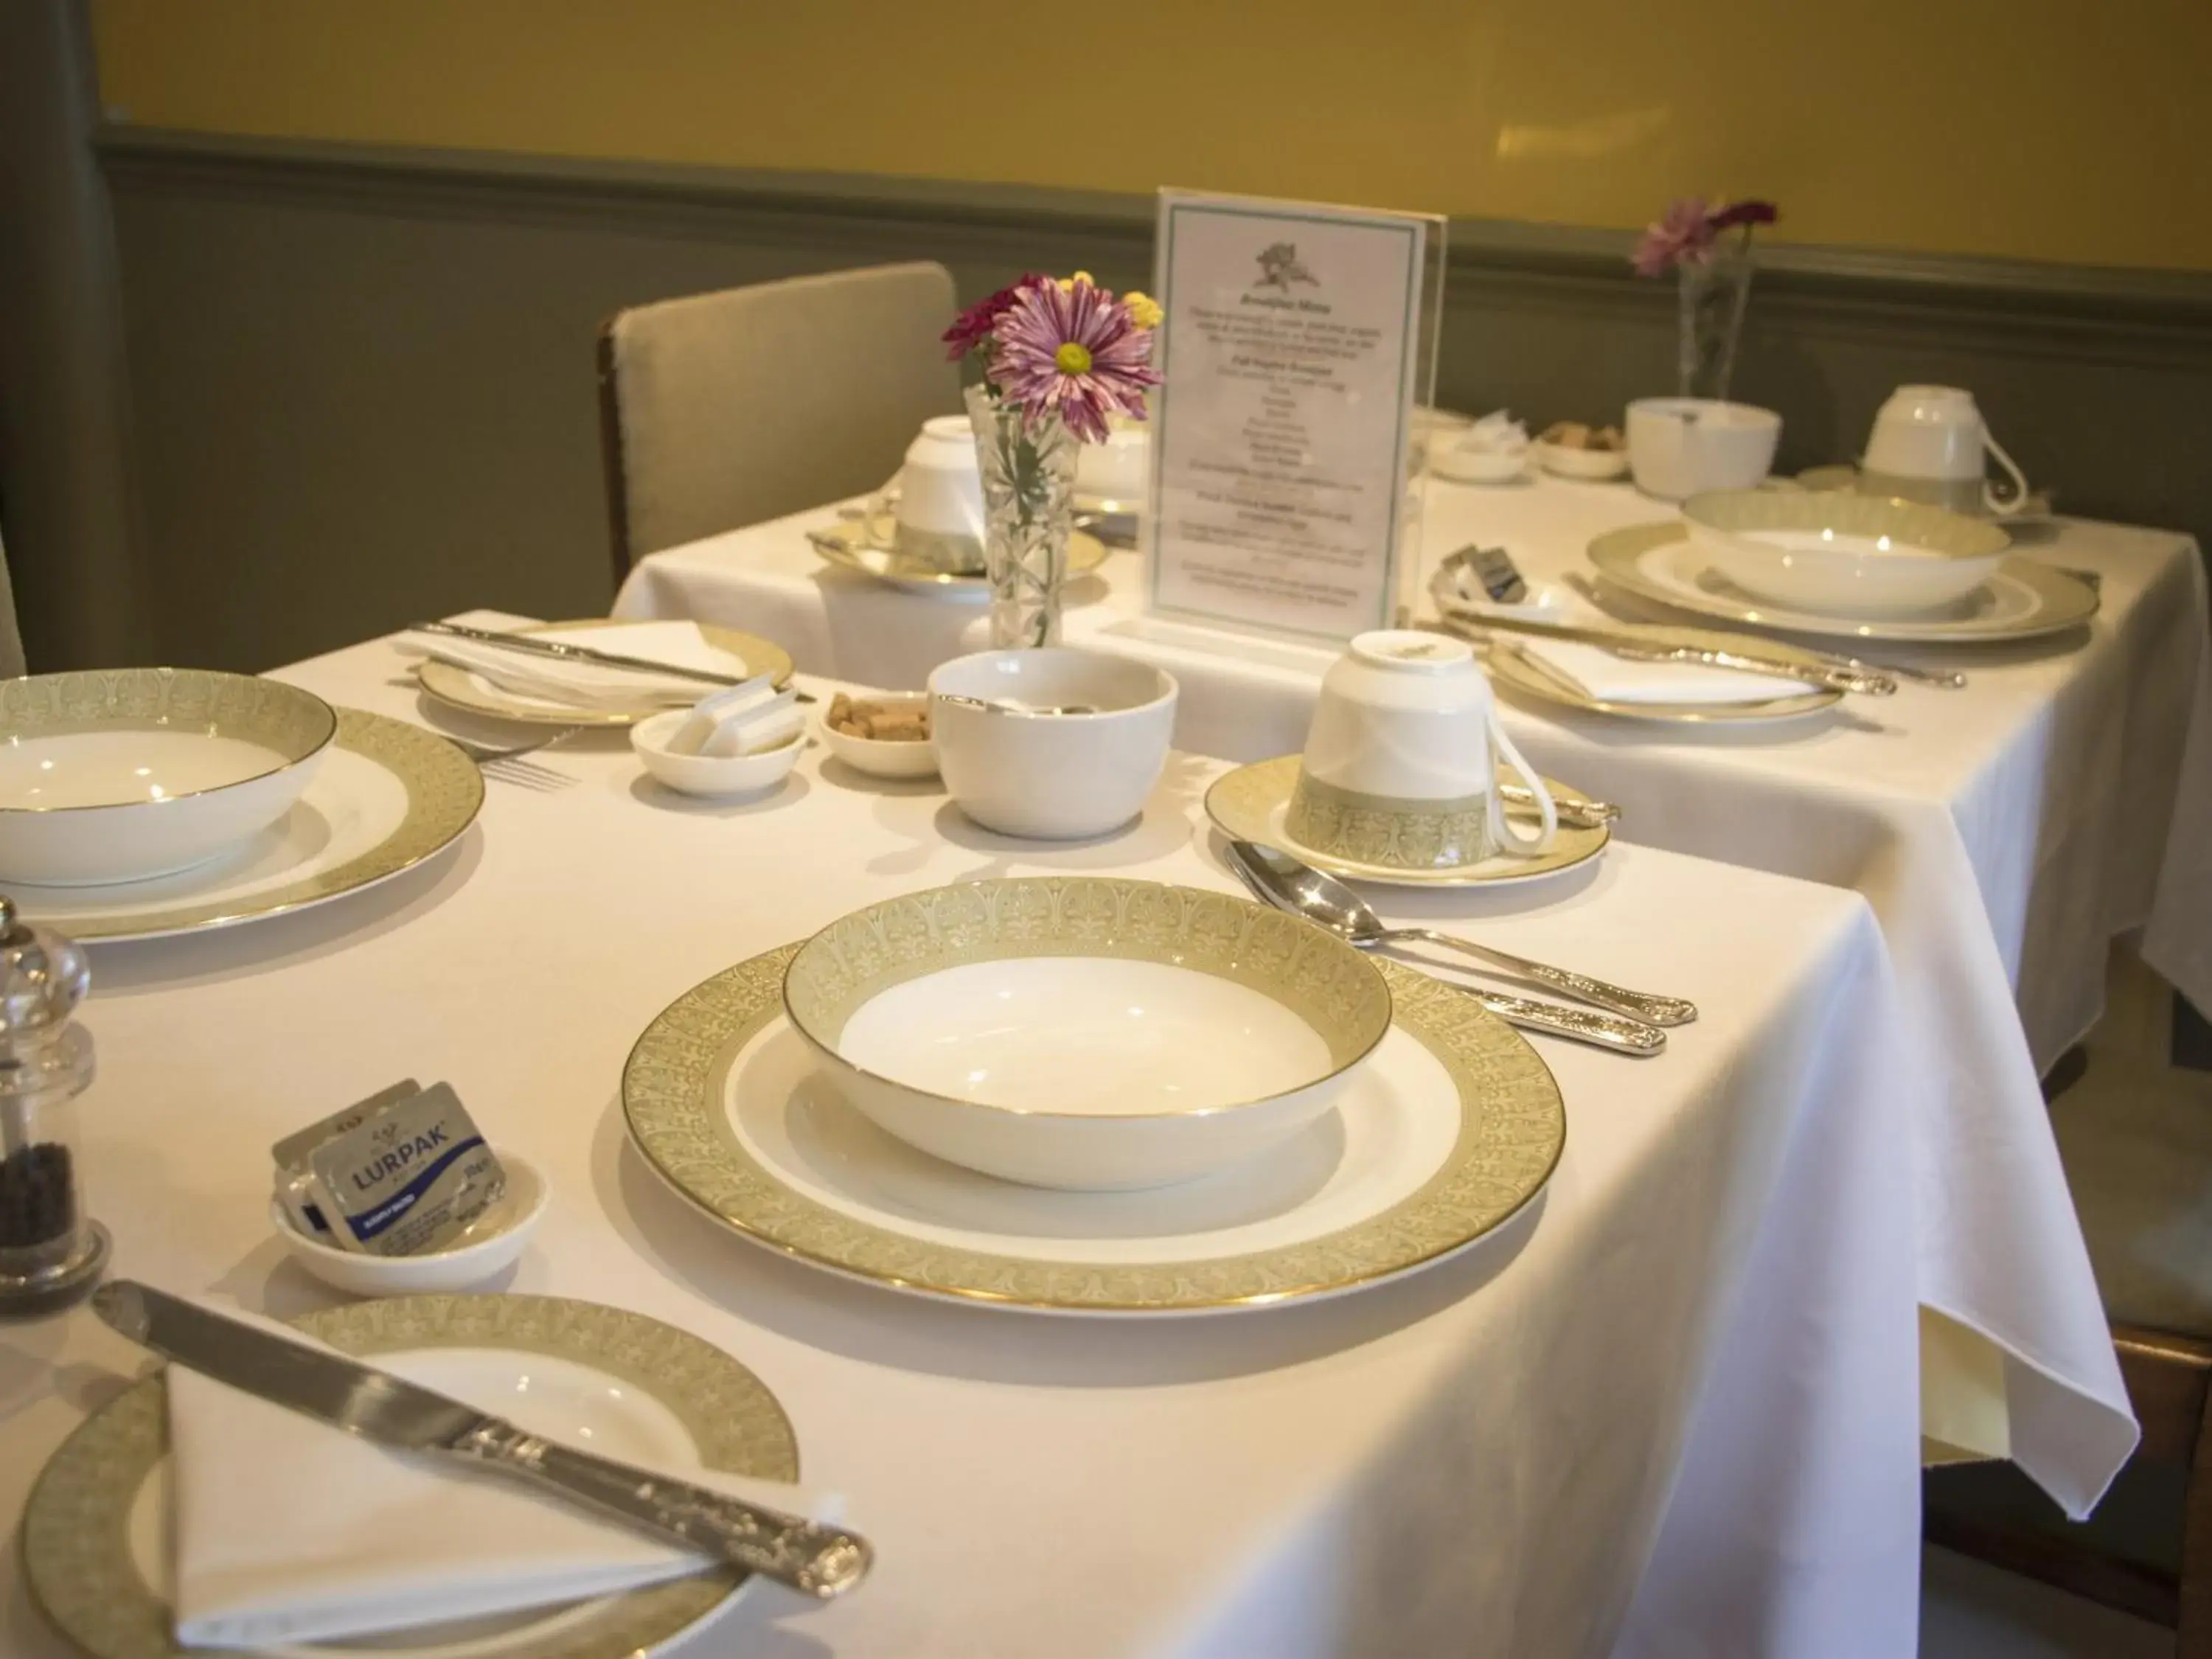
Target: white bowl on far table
1839	552
1681	446
883	757
1089	1033
716	777
125	774
1056	777
493	1243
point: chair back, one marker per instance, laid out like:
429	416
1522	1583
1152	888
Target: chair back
721	410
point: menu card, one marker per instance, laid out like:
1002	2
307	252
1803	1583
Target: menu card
1290	348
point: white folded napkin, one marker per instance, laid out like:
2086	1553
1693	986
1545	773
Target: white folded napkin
590	685
288	1530
1608	679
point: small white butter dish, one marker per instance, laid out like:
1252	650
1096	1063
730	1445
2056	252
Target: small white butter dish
493	1242
714	776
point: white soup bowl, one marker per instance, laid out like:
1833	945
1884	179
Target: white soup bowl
1055	777
1839	552
1085	1032
122	775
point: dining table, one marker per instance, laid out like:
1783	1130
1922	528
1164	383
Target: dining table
1677	1404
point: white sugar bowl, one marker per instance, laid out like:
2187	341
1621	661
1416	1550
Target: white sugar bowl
1400	761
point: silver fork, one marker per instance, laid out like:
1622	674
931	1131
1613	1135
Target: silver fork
510	766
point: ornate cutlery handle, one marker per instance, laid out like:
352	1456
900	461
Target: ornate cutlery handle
820	1561
1809	673
1652	1009
1608	1032
1582	814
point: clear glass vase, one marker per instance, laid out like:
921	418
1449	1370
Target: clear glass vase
1712	296
1029	508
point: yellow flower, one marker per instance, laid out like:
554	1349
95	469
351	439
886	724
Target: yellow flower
1144	310
1067	283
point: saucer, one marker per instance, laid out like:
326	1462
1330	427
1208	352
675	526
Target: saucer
2023	600
855	545
1450	1129
1251	803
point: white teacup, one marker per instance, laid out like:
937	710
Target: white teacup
1930	443
1111	477
1678	447
936	502
1400	765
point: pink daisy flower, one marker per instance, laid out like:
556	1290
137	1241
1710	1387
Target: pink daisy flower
1077	352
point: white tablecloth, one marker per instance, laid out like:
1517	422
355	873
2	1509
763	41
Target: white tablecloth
1672	1410
2069	788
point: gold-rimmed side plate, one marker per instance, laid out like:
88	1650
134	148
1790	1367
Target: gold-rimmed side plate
1455	1125
1252	803
852	546
463	689
387	797
1512	666
2024	600
84	1555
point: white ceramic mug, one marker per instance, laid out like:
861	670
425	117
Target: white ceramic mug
936	503
1678	447
1400	765
1930	443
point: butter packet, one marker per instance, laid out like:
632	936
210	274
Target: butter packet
290	1154
409	1178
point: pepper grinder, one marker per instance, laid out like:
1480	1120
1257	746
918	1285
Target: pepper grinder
51	1252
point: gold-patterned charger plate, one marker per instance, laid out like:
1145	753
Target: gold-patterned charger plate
1514	666
91	1559
852	546
1252	802
1454	1124
2024	600
463	689
387	796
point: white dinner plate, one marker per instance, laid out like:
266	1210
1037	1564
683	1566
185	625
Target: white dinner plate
1253	802
2024	600
94	1533
742	656
1452	1125
387	796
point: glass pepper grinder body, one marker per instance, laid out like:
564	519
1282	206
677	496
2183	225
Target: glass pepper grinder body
50	1250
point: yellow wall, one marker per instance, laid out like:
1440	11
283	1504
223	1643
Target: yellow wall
2068	130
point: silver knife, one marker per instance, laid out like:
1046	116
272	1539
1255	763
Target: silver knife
1645	648
538	645
820	1561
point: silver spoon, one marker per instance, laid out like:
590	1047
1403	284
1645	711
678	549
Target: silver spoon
1292	885
992	706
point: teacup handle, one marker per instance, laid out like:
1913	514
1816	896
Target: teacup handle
884	504
1502	830
2003	505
